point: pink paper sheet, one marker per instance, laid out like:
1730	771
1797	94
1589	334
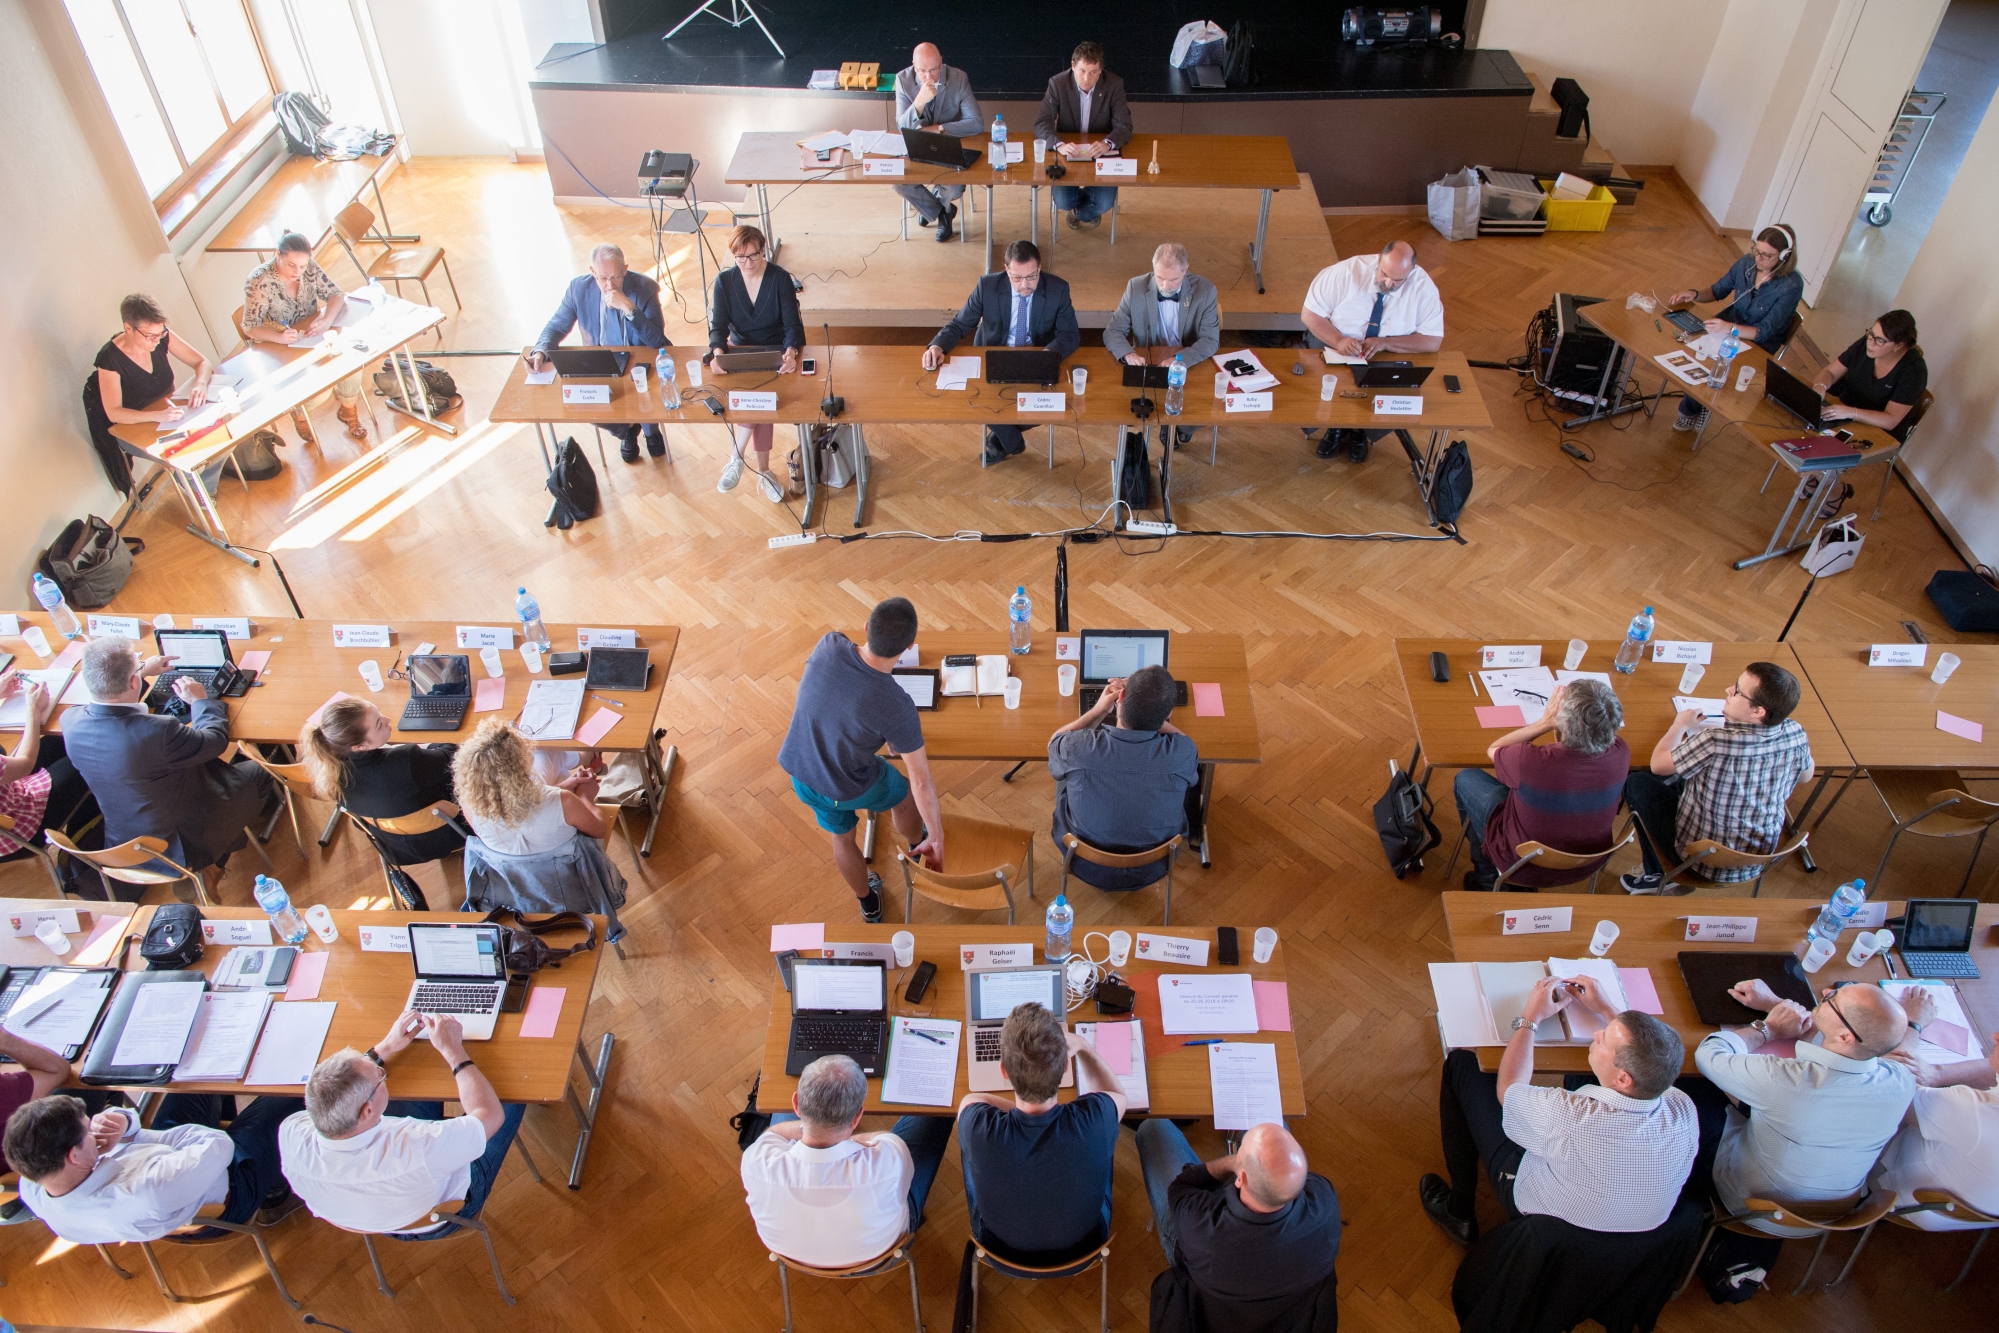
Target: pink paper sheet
1639	990
544	1007
70	655
96	948
490	694
1961	726
256	661
599	722
338	695
1949	1036
1501	717
1207	698
308	970
1114	1044
1273	1006
808	935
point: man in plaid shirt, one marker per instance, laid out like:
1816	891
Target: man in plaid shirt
1728	783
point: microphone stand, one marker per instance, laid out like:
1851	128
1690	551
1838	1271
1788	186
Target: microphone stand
280	569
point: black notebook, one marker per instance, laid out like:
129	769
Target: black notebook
98	1069
1710	972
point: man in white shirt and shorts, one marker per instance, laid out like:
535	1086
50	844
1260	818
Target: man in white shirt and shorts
1370	304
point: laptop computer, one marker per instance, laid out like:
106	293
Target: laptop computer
440	692
839	1006
589	363
460	971
1113	654
1390	375
749	358
990	995
1795	396
1145	377
200	655
1022	365
1936	937
940	150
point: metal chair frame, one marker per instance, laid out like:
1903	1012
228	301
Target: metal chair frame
1943	1201
1098	1258
343	223
1055	216
209	1216
1939	802
453	1224
1553	858
1857	1212
898	1256
297	786
432	817
967	198
1168	851
41	854
1708	852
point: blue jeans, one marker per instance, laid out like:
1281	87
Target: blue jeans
255	1171
1162	1154
485	1168
1479	795
1087	202
927	1137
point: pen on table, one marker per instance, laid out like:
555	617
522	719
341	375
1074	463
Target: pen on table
1205	1041
1473	678
1889	959
926	1035
601	699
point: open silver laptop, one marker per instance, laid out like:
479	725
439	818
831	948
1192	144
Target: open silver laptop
990	995
460	971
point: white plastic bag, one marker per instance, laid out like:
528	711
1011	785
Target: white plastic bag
1454	205
1199	43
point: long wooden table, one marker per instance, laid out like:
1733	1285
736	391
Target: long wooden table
1652	934
1186	161
1176	1074
1887	716
303	195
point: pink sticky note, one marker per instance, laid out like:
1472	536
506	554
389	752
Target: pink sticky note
491	694
1273	1006
308	970
1507	716
544	1007
1207	698
256	661
1949	1036
1639	990
338	695
69	656
96	948
1114	1044
599	722
1961	726
809	935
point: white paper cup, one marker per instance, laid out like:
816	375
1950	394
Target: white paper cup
49	933
1065	679
1266	944
1120	947
1822	948
1606	935
1327	385
531	654
904	944
1946	663
1574	657
1691	677
1013	691
321	922
639	378
371	674
491	657
1221	384
694	371
1041	150
1079	379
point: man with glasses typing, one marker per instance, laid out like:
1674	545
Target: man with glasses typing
1370	304
1022	307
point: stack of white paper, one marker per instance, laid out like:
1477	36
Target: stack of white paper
1527	688
157	1026
954	373
1242	1079
922	1062
1581	1023
225	1033
821	142
1950	1011
293	1034
551	709
1477	1002
1710	709
1252	380
1137	1092
1192	1003
59	1010
988	677
879	143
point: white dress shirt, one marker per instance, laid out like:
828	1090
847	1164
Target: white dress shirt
150	1183
1169	316
1344	294
386	1178
829	1207
1818	1121
1598	1159
1951	1144
1083	100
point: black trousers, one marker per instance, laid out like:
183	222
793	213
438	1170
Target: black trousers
1656	802
1468	1109
1011	439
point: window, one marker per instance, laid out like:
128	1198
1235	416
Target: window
180	75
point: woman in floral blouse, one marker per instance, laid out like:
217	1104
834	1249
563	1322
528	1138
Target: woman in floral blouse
292	298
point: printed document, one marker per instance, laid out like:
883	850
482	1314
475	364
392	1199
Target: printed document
1122	1045
293	1034
59	1010
922	1062
1198	1004
954	373
1527	688
225	1033
157	1027
1242	1078
1581	1023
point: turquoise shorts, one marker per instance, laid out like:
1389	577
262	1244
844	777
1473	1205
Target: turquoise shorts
891	789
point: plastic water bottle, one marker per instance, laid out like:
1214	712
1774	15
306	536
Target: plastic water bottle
1176	387
1635	638
277	904
669	382
999	130
529	612
61	619
1839	911
1731	347
1061	920
1019	615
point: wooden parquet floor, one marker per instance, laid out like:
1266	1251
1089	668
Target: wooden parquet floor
658	1237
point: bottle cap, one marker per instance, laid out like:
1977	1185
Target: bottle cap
519	591
1061	901
1648	610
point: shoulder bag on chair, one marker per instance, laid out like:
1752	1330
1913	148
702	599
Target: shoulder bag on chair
525	951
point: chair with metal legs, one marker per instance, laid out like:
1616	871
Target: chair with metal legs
986	860
967	199
1098	1258
1932	803
296	783
1055	217
142	861
447	1214
1709	853
41	854
1856	1212
1943	1201
1543	857
898	1256
1168	851
209	1216
437	815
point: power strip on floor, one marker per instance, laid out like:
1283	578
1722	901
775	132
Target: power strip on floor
1148	528
793	539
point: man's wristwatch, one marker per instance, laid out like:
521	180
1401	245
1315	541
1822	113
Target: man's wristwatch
1522	1021
1763	1027
370	1053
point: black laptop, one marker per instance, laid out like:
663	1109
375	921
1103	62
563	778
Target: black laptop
839	1006
1145	377
589	363
201	655
1022	365
940	150
440	692
1795	396
1936	936
1390	375
1113	654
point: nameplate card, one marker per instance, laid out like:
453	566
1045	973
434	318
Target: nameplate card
10	624
236	627
883	952
122	627
881	166
1250	402
994	955
24	923
1537	921
752	402
1722	929
1398	404
1068	647
1117	166
586	395
1042	402
360	636
1507	655
236	932
1881	654
1172	949
484	636
1871	916
1683	651
607	638
385	939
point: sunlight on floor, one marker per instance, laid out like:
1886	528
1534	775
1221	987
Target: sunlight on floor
386	492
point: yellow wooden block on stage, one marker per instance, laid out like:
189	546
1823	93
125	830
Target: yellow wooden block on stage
849	71
860	75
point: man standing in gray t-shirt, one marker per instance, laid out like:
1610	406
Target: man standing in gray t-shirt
932	96
1124	788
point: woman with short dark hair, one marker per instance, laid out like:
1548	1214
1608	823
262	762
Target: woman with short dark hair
1880	379
754	304
132	370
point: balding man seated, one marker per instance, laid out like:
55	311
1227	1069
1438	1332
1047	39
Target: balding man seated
935	98
1366	305
610	306
1255	1225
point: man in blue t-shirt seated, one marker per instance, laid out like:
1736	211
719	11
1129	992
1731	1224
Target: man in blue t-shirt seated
849	707
1124	788
1038	1172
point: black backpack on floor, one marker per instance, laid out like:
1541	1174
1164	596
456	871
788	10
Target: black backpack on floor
1135	484
1450	489
573	483
1403	819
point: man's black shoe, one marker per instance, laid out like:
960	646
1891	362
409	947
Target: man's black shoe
1436	1197
1182	435
1328	444
1018	448
629	450
656	445
944	229
995	452
1357	445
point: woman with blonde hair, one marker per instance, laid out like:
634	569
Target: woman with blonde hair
510	808
348	754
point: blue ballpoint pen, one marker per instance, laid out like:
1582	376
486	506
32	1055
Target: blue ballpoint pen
1205	1041
926	1035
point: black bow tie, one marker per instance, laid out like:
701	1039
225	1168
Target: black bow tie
1169	296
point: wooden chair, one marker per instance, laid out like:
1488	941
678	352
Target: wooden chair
1099	1259
1541	855
1932	803
1784	339
1168	851
427	820
209	1216
1708	852
1856	1212
140	861
898	1256
353	225
297	786
1909	424
1943	1201
983	861
447	1213
41	854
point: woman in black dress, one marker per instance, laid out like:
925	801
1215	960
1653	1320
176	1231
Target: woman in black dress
133	369
754	305
351	761
1879	380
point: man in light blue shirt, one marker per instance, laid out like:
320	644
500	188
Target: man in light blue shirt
610	306
932	96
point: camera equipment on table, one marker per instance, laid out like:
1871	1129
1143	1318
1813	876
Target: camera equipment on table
1392	27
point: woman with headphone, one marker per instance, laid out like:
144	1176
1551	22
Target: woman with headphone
1766	288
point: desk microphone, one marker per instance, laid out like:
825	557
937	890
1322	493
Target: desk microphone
1141	406
831	405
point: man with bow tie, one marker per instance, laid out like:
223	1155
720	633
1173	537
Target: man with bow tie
1370	304
1166	313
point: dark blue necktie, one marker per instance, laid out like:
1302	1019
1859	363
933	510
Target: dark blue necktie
1374	319
1018	337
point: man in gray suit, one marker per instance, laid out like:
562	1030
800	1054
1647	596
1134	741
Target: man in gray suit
931	95
155	776
1168	312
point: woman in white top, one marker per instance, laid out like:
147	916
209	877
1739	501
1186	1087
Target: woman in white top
512	810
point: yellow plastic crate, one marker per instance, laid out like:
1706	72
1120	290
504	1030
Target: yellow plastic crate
1591	214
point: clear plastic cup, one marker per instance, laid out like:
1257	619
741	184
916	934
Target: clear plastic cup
371	674
1606	935
1120	947
904	945
491	657
1690	679
321	921
1079	380
1574	657
639	378
1221	384
1013	691
1327	384
1946	663
1822	948
1065	679
50	934
1041	155
1266	944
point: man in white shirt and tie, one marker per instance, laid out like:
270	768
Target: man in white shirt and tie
1370	304
1166	313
